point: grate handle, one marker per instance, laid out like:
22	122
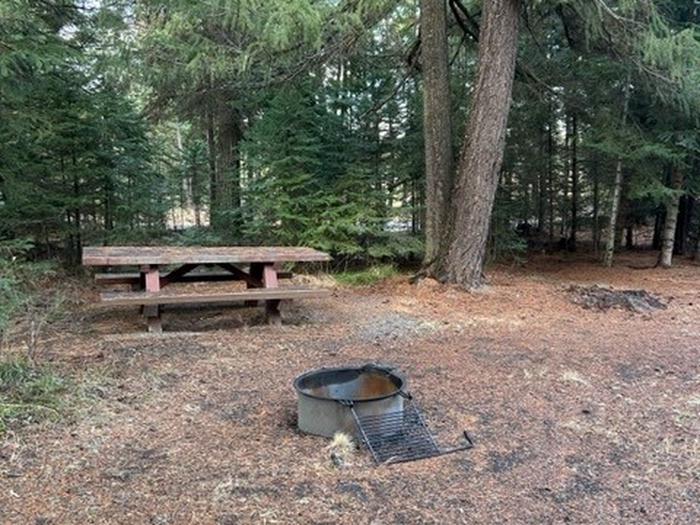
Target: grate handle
469	439
469	444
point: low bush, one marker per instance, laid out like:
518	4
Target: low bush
368	276
28	393
24	296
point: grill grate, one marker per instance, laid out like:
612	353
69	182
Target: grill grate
396	437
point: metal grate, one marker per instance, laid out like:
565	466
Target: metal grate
395	437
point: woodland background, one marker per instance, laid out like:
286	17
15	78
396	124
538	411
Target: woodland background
301	122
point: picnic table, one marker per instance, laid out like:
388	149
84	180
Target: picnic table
161	266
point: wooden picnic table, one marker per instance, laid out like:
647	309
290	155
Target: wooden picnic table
257	266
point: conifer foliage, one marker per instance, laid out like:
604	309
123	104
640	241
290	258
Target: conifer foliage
310	122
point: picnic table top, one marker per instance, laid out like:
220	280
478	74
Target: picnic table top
143	255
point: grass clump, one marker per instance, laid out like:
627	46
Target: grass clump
11	297
30	301
342	448
367	277
28	393
24	291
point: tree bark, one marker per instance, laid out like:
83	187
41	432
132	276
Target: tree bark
629	237
574	185
565	219
437	124
228	161
77	224
696	255
596	207
617	190
622	213
685	213
541	185
108	205
550	179
668	235
211	157
658	224
482	154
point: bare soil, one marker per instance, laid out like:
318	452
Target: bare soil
579	416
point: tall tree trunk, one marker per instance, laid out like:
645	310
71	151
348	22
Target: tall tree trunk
658	224
541	190
622	214
437	124
550	179
68	243
211	156
108	205
462	261
414	210
227	177
629	237
617	189
685	213
669	232
565	219
596	206
185	185
574	184
696	255
379	183
78	246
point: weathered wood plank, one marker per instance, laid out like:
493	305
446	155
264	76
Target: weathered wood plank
272	310
193	277
117	278
176	274
154	323
160	298
270	277
251	281
155	255
151	276
256	271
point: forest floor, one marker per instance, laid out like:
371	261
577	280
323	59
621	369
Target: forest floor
578	415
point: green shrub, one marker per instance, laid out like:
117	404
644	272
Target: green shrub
20	286
28	393
10	299
12	296
399	247
367	277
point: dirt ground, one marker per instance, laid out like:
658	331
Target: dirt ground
578	416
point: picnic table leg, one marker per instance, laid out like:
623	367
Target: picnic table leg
272	310
256	271
151	278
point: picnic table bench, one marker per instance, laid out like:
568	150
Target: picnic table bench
258	267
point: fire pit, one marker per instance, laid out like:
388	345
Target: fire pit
370	403
327	397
